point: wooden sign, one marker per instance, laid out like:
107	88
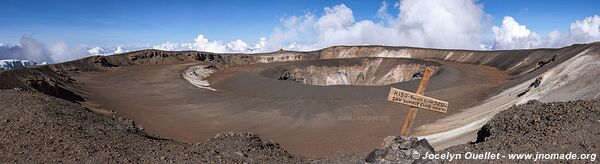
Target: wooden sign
419	101
416	100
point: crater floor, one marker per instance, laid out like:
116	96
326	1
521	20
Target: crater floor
311	120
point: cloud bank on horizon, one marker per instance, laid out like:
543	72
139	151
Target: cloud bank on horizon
459	24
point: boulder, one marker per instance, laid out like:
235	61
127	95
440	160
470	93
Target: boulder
401	149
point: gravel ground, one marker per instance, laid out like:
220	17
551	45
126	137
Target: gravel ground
38	128
535	127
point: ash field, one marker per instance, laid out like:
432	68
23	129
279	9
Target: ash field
324	106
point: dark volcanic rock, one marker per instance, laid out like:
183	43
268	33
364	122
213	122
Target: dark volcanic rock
36	128
400	149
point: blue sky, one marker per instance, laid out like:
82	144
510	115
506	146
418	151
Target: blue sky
542	16
109	23
63	30
140	22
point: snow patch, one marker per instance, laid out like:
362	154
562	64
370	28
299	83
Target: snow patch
12	64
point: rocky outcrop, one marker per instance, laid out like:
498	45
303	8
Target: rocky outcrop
400	149
367	71
515	62
196	75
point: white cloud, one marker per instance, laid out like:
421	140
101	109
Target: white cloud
261	43
336	17
32	49
202	43
119	50
581	31
35	50
295	29
512	35
440	23
238	46
29	48
96	51
432	23
590	26
63	52
437	23
109	51
200	39
382	11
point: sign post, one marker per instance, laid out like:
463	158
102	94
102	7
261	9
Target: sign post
415	101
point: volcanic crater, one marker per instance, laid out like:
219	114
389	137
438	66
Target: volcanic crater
319	103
